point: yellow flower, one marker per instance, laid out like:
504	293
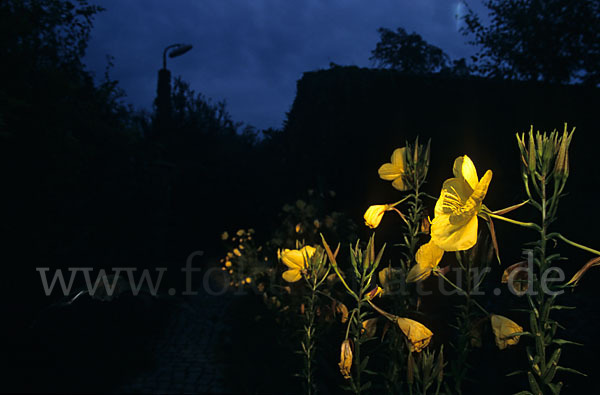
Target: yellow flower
341	308
248	280
296	261
240	232
454	227
369	327
227	263
237	252
224	236
298	228
316	223
428	257
395	170
374	214
346	359
503	328
418	335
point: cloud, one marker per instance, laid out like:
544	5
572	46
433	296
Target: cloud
251	53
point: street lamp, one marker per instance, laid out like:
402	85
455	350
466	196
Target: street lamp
163	94
179	49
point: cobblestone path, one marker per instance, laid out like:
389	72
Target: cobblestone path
187	358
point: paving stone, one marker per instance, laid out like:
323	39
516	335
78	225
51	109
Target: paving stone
186	361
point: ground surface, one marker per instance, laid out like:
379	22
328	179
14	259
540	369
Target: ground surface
187	355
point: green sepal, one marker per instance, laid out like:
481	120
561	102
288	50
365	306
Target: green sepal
535	388
551	366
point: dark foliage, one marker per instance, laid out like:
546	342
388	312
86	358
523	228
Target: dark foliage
554	41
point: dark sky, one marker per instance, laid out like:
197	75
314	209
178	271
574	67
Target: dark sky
251	52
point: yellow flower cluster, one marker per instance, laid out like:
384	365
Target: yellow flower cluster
240	240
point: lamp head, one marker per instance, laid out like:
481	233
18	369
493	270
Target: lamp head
180	50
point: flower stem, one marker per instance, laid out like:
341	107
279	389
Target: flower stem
529	225
484	311
588	249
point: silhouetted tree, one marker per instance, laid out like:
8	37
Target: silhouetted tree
556	41
407	52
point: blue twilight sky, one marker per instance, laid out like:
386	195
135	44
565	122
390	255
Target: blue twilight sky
250	53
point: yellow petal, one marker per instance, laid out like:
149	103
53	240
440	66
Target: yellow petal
429	254
474	202
399	158
399	184
370	327
464	168
374	214
292	259
341	308
292	275
503	328
454	237
345	363
455	193
428	257
418	272
389	172
308	252
417	334
519	277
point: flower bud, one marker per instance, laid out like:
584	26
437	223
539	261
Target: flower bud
374	214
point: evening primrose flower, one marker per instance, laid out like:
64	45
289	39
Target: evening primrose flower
417	334
395	170
374	214
224	236
346	359
454	227
428	257
237	252
296	261
503	329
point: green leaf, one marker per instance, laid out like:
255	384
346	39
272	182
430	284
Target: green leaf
363	364
562	342
365	386
558	307
564	369
516	372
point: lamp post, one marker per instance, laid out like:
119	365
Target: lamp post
163	93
